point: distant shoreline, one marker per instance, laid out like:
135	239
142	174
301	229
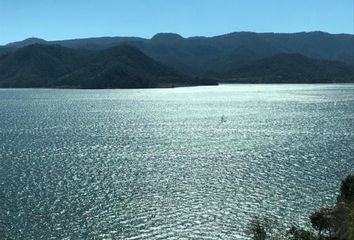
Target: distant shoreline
181	86
169	60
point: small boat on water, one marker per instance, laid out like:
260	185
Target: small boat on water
223	119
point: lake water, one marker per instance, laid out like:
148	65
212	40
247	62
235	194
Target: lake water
161	164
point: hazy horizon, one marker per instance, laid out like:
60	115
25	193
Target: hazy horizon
63	20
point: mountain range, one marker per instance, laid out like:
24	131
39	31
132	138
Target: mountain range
170	59
121	66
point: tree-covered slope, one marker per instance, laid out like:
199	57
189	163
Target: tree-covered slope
241	56
291	68
118	67
207	56
126	67
38	65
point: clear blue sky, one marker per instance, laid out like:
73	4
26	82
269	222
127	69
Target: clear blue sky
65	19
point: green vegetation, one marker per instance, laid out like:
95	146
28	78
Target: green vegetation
261	228
331	223
297	233
344	210
323	221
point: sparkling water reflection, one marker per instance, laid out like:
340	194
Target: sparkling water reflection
161	164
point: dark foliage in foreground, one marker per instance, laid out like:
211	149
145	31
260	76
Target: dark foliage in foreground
344	210
331	223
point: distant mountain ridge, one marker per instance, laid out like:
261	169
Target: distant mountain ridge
196	54
245	56
117	67
26	42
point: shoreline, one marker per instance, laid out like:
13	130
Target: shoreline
172	87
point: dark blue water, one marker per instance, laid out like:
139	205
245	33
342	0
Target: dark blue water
162	164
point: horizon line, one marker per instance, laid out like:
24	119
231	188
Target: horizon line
185	37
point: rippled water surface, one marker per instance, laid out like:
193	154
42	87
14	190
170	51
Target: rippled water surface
160	163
